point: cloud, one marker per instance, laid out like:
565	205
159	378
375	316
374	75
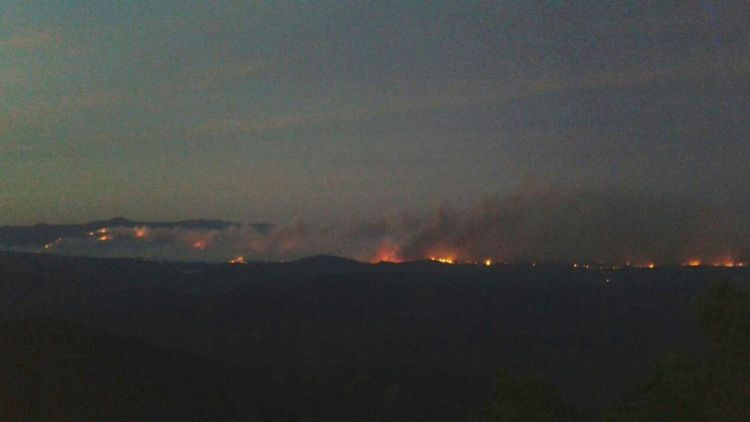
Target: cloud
456	94
31	40
15	148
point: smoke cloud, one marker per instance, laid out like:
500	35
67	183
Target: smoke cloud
583	226
539	226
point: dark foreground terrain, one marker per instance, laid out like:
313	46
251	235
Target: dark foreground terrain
326	338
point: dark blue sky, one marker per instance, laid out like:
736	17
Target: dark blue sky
276	111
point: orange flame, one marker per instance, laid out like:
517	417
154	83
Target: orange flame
728	263
694	263
140	233
388	252
199	245
238	260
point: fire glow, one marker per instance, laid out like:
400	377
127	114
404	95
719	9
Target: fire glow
388	252
140	233
396	245
50	245
724	263
728	264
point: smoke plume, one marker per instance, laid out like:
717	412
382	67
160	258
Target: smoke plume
539	226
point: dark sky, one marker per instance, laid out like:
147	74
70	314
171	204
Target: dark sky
277	111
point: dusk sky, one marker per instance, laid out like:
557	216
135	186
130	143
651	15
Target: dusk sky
278	111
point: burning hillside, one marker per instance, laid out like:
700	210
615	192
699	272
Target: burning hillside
585	229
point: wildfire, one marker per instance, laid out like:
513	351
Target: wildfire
105	238
720	263
724	263
140	233
199	245
49	245
443	260
488	262
99	232
388	252
643	266
728	263
238	260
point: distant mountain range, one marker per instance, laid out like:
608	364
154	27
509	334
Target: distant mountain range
40	234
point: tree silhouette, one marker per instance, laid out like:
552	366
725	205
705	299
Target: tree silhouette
713	385
523	398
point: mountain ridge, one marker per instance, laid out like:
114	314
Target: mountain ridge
43	233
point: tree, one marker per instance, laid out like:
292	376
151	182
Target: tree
526	399
713	385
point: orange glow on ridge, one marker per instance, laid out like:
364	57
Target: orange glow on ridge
388	252
238	260
728	263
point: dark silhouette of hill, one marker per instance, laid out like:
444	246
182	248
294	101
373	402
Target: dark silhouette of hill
327	263
334	339
706	386
56	370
